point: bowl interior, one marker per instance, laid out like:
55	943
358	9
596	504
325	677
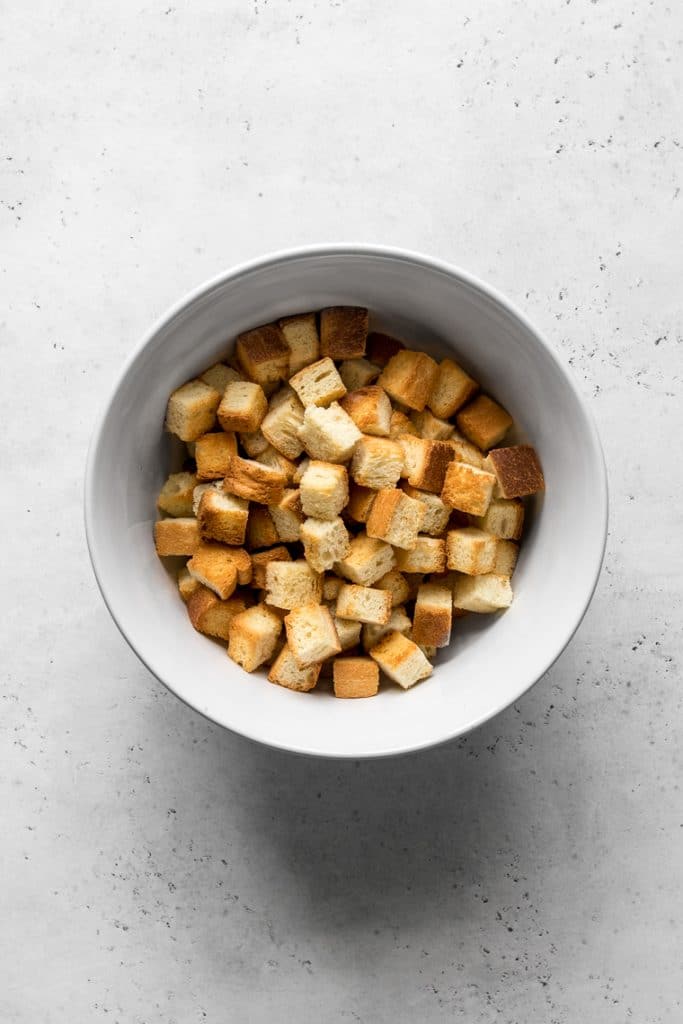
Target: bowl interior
492	659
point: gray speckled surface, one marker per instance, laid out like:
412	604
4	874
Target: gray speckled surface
160	870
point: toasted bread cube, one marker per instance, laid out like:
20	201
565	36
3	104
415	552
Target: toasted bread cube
395	518
467	488
355	677
370	409
214	566
301	334
506	558
318	384
178	536
286	672
311	634
428	555
433	615
425	462
395	582
484	422
360	502
331	587
287	516
261	559
428	650
282	421
261	532
222	517
470	551
254	444
301	467
377	462
409	378
465	451
253	481
242	407
263	355
213	453
200	489
401	660
348	631
187	584
381	347
431	427
401	424
329	435
358	373
191	410
219	376
209	615
253	636
324	489
504	518
242	562
368	560
291	584
343	332
482	594
325	542
452	388
175	497
364	604
436	512
517	469
398	623
271	457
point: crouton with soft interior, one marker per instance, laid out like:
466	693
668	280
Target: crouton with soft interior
290	584
428	555
377	462
242	407
285	672
431	427
517	470
364	604
261	532
187	584
254	635
330	434
175	497
212	453
301	334
370	409
219	376
395	518
436	512
409	378
261	559
287	516
465	451
214	566
470	551
209	615
222	517
324	489
191	410
504	518
506	558
179	536
425	462
482	594
355	677
360	502
343	332
254	444
395	582
467	488
367	561
201	489
311	634
348	631
401	424
484	422
398	622
263	355
452	388
281	423
433	615
253	481
318	384
401	659
325	542
273	458
381	347
358	373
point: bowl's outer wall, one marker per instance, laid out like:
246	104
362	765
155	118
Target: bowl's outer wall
492	659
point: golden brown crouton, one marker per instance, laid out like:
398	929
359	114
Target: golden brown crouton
213	453
409	378
355	677
401	660
175	497
253	481
222	517
370	409
401	424
395	518
484	422
285	672
264	355
377	462
318	384
360	502
282	421
433	615
343	332
301	334
214	566
358	373
192	409
261	532
311	634
467	488
290	584
428	555
209	615
261	559
452	388
425	462
253	636
178	536
242	407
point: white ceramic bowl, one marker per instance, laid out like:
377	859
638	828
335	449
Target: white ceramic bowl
492	659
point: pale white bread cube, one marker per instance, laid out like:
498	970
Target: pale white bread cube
260	560
253	636
370	409
287	516
281	423
430	426
285	672
219	376
348	631
273	458
397	585
465	451
191	410
395	518
290	584
401	424
484	594
242	407
428	555
433	615
367	561
436	512
325	541
364	604
399	622
504	518
301	467
331	585
357	373
254	444
220	568
329	435
311	634
200	489
377	462
222	517
401	659
324	489
452	388
471	551
506	558
301	334
175	497
318	384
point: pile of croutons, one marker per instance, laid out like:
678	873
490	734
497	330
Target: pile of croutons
331	507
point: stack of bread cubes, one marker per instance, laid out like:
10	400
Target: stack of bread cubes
343	501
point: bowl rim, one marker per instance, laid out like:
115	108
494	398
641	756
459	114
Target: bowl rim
332	249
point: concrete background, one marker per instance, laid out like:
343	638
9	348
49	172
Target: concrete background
156	869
